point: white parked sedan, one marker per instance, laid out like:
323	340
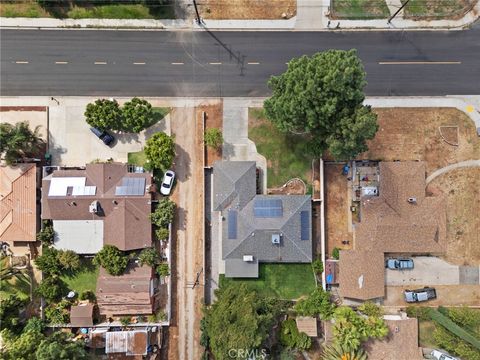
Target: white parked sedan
167	183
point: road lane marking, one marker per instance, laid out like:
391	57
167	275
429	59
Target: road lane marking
100	63
215	63
419	62
21	62
139	63
61	62
177	63
253	63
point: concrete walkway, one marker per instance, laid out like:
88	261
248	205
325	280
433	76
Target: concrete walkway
461	164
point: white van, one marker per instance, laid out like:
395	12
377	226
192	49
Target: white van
440	355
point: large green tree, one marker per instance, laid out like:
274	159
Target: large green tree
239	319
321	96
59	346
160	151
18	142
104	114
137	115
164	213
316	304
112	259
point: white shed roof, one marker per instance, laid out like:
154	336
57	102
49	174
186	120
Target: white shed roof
81	236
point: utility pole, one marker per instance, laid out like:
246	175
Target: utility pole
391	17
199	21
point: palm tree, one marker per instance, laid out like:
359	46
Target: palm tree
19	142
339	352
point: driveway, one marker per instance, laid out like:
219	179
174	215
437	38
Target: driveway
432	271
447	295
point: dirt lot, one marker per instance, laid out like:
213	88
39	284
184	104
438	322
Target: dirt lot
413	134
214	120
462	190
337	207
447	295
247	9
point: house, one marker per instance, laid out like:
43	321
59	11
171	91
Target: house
402	340
258	228
81	315
18	204
131	293
101	204
398	219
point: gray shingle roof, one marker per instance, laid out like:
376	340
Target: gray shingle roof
240	268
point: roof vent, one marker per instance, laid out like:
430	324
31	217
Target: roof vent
94	207
412	200
360	282
276	239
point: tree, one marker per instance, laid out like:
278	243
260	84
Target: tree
370	309
239	319
48	262
18	142
162	233
149	256
57	314
163	269
321	96
292	338
104	114
160	151
10	309
316	304
137	115
69	260
52	288
112	259
163	214
59	346
213	138
22	347
46	235
336	352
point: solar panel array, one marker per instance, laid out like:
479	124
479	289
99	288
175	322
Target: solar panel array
304	225
131	186
232	224
267	208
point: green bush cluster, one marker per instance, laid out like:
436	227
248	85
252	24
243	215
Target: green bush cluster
57	314
112	260
46	235
291	338
163	214
160	152
316	304
213	138
54	262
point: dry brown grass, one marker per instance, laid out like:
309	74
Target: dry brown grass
247	9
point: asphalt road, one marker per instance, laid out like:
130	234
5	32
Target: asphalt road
157	63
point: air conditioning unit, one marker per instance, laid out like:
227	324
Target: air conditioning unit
248	258
276	239
94	207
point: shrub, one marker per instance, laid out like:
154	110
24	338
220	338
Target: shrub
317	303
148	256
163	269
48	262
336	253
69	260
160	151
213	138
125	320
10	308
317	266
162	234
46	234
88	295
292	338
370	309
465	316
52	288
451	343
163	214
112	259
57	314
419	312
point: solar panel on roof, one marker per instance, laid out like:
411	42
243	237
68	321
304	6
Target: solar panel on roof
267	208
131	186
232	224
304	225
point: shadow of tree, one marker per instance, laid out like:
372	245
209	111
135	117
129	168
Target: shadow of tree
182	164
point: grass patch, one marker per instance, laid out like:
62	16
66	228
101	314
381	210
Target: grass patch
87	9
359	9
83	279
284	281
425	333
285	153
437	9
137	158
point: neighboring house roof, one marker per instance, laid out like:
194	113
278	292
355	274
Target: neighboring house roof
81	315
134	342
81	236
402	341
361	274
268	228
123	197
392	224
127	294
18	203
308	325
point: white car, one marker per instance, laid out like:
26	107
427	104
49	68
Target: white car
440	355
167	183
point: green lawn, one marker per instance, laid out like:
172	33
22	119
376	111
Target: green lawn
83	279
284	281
436	9
137	158
359	9
425	333
87	9
285	153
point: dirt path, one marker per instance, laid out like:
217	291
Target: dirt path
188	194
